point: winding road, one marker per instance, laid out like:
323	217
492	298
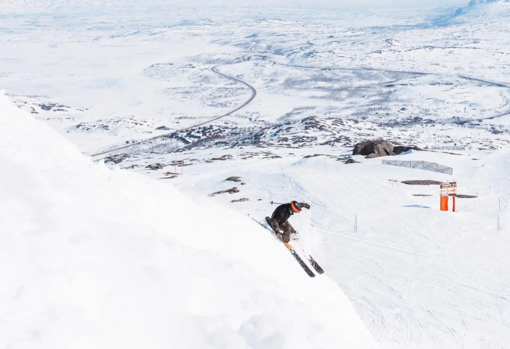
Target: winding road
215	70
254	94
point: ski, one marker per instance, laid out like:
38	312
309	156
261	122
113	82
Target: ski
315	265
312	261
303	265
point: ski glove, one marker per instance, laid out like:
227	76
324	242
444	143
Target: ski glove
305	205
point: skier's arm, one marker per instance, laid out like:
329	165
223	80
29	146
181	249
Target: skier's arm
305	205
278	214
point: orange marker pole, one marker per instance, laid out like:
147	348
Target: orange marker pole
444	203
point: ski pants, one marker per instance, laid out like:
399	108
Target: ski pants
286	227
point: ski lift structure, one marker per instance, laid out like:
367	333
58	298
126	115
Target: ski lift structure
446	190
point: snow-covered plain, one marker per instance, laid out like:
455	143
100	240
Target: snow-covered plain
324	80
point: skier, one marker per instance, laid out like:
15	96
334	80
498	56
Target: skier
279	220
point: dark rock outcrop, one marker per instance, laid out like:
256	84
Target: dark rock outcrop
373	149
347	160
351	161
154	167
224	157
422	182
116	159
241	200
230	191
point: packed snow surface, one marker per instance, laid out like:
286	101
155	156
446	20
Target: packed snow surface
100	258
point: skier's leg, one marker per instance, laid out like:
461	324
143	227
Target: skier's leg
291	228
295	235
276	228
287	229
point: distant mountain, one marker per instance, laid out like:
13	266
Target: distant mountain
483	9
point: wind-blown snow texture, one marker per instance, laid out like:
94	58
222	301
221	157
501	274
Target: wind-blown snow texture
100	258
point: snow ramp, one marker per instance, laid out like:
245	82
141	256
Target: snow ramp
99	258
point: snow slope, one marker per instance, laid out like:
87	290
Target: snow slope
419	278
100	258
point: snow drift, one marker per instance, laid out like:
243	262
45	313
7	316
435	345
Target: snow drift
95	258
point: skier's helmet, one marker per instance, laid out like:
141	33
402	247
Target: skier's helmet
296	206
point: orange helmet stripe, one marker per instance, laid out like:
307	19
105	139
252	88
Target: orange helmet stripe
294	207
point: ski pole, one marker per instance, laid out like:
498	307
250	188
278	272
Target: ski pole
276	203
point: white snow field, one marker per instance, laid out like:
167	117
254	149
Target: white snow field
99	258
311	83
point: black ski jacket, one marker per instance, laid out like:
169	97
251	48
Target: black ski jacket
282	213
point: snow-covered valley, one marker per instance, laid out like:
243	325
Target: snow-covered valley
273	100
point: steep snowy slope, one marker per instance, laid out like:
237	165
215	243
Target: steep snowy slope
95	258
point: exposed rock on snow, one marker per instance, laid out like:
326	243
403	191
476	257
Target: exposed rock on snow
155	167
224	157
116	159
316	155
234	179
421	182
348	160
240	200
373	149
229	191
